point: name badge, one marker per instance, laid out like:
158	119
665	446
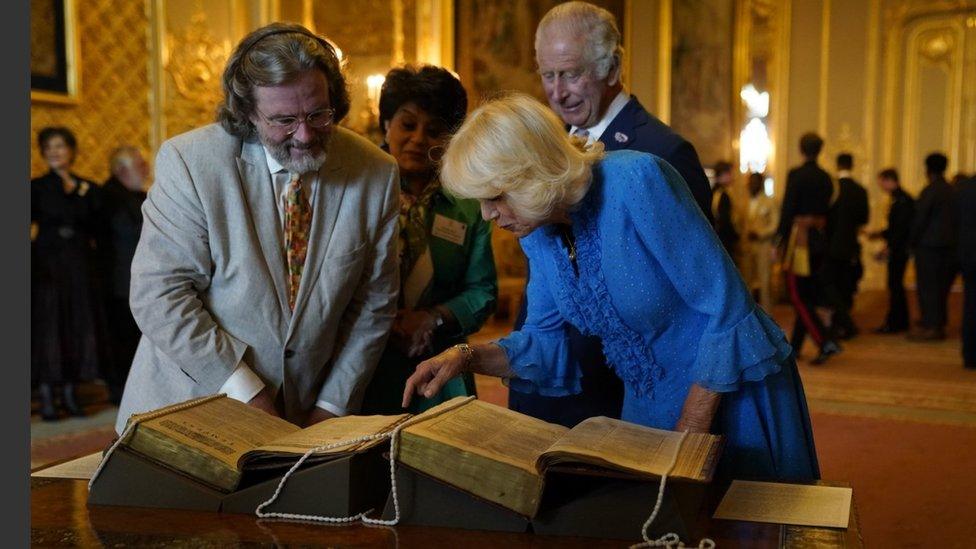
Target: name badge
449	229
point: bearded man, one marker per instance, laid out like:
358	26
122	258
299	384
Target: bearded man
267	265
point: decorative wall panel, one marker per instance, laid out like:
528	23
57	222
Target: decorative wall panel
113	105
193	62
701	78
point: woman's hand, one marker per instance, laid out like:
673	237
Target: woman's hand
416	329
433	373
699	410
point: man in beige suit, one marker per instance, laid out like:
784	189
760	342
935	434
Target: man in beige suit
267	263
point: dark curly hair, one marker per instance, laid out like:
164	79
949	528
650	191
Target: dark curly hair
433	89
50	132
271	56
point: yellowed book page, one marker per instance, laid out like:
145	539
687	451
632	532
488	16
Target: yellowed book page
798	504
620	445
222	428
493	432
334	430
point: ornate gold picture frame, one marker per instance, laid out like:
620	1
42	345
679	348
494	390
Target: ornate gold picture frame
54	51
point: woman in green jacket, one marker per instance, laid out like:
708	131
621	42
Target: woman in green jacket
448	285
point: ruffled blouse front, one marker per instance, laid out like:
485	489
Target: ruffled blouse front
654	283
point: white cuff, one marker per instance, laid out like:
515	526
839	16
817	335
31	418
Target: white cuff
243	384
329	407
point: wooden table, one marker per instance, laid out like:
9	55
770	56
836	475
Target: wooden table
60	516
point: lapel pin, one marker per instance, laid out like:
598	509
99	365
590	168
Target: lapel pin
621	137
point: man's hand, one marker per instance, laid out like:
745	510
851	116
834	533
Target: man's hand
264	401
433	373
318	414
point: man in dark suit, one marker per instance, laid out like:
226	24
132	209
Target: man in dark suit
896	252
801	233
579	52
966	202
121	219
842	269
722	209
933	240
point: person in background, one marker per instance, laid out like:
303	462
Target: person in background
723	211
803	219
842	268
620	250
448	285
763	217
895	253
68	340
579	53
934	239
121	220
966	203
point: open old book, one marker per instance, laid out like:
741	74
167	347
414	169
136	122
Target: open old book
502	456
214	440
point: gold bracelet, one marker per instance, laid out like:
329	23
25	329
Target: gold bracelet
468	353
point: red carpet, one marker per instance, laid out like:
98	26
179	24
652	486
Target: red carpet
914	483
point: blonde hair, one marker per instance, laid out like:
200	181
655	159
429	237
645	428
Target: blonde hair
516	147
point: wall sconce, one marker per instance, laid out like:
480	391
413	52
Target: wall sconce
754	143
374	84
369	116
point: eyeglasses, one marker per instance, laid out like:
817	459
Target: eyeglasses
289	124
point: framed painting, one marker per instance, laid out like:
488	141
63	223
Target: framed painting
494	44
53	51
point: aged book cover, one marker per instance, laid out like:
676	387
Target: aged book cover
501	456
215	439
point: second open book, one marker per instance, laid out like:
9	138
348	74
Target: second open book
491	452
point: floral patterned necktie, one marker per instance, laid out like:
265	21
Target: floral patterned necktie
298	220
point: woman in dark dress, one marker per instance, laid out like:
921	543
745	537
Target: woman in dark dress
66	340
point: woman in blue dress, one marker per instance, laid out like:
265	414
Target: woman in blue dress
618	248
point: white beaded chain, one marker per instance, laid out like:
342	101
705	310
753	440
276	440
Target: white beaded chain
669	540
145	417
394	436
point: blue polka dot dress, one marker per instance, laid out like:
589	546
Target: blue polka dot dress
652	281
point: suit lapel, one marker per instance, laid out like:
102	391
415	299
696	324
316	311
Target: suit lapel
327	203
622	131
263	208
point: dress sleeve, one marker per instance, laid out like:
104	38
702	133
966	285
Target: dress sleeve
740	342
539	352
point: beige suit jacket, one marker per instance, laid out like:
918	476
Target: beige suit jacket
209	285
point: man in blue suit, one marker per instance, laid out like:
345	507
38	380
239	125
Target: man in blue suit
578	51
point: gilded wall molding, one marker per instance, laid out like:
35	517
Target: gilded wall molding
824	69
112	108
666	21
933	42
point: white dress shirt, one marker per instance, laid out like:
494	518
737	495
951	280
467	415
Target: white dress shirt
596	130
243	384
